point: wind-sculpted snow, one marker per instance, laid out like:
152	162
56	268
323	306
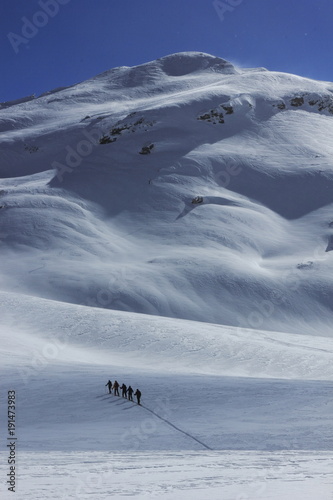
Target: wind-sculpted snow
190	62
98	180
184	475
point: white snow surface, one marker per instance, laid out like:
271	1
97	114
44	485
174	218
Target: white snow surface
220	312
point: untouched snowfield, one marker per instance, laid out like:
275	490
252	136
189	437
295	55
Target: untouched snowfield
219	311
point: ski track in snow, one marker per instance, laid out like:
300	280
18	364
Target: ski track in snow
177	428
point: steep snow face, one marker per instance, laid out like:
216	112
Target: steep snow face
98	181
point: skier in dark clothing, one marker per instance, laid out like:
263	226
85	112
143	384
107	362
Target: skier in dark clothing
138	395
116	387
130	393
109	384
123	391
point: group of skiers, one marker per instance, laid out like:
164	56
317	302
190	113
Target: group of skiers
126	392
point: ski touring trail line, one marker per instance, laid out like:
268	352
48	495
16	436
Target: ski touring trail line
177	428
164	420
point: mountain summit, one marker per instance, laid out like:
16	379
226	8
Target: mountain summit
184	187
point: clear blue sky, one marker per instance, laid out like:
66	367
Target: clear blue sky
78	39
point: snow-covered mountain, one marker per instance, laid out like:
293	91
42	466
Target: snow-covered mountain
102	224
171	225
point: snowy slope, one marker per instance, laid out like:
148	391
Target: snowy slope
224	412
220	311
117	229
